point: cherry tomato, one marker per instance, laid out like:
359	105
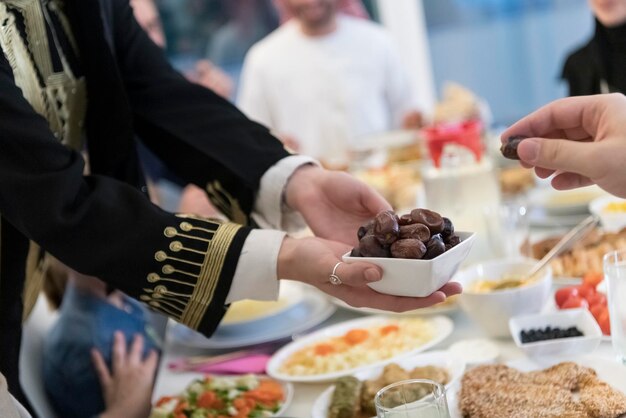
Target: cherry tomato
596	310
575	302
597	299
593	278
586	291
604	322
565	293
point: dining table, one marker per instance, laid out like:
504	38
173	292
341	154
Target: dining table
169	382
305	394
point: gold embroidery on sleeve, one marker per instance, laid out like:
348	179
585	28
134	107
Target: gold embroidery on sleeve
226	203
189	268
36	267
60	97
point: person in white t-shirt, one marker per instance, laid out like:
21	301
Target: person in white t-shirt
324	80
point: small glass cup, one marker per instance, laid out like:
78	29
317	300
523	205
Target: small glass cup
615	275
416	398
508	229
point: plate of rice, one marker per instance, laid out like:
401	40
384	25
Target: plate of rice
351	346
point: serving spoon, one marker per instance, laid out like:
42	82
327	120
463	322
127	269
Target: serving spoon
576	234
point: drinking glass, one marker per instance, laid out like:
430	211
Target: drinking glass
615	275
507	229
416	398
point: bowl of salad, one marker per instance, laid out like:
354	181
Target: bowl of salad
248	396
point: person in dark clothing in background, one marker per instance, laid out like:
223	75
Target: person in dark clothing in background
600	66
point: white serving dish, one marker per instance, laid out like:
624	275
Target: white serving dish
611	222
454	366
450	306
493	310
572	346
314	309
290	295
442	325
417	278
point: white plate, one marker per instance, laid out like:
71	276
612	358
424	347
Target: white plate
609	371
433	310
177	383
314	309
455	368
442	325
565	202
538	217
290	295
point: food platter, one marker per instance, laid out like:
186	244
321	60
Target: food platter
454	367
313	309
585	256
177	383
607	370
436	329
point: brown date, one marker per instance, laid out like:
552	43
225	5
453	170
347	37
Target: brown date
448	228
386	228
366	229
369	246
408	248
435	247
415	231
431	219
453	241
356	252
509	148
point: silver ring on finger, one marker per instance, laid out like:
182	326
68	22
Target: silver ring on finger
333	278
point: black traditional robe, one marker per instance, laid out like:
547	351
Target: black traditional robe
599	67
101	224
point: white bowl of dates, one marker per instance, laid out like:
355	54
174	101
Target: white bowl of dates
569	332
419	252
496	291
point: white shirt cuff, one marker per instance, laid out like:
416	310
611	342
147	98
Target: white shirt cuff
256	274
269	211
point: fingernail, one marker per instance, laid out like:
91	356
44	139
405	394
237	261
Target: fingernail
529	150
372	275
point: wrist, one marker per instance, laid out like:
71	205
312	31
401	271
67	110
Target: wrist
299	184
286	257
